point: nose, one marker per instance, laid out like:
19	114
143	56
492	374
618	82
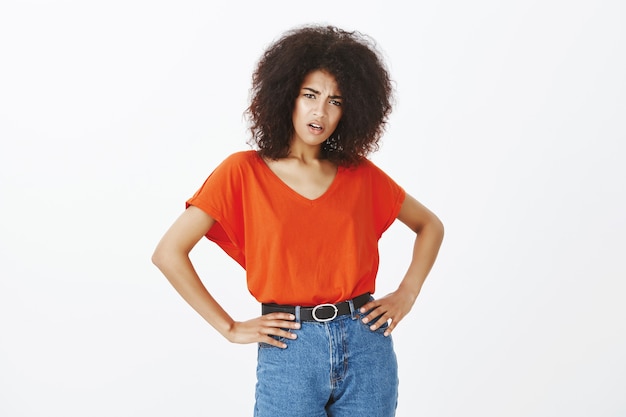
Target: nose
320	109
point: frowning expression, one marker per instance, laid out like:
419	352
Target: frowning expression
317	110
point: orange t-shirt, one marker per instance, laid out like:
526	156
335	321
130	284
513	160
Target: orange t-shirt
295	250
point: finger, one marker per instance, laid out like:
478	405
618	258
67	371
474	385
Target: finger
280	319
290	325
271	341
369	306
279	316
283	324
280	331
389	329
271	333
384	319
374	315
286	334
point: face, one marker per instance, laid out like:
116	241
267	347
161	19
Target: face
317	109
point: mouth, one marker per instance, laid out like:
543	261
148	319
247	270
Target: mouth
316	127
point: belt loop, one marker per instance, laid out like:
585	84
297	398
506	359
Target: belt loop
297	314
352	310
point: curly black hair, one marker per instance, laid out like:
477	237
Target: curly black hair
362	77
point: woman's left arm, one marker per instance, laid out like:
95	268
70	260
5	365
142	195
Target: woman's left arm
429	235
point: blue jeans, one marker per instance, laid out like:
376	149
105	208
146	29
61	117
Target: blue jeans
335	369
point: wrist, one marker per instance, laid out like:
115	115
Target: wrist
410	290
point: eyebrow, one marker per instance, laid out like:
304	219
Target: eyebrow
317	92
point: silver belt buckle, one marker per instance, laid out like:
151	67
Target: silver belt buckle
314	312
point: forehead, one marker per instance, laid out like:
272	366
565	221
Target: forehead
321	79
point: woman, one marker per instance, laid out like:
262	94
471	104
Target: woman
303	214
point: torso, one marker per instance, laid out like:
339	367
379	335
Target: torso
305	234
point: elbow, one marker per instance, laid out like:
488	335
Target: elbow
434	228
155	259
158	258
441	230
167	256
438	225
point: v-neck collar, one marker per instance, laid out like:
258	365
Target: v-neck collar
274	177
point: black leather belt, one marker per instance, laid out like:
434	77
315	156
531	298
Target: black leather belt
320	312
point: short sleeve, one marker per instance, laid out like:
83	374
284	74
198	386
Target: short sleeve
220	196
387	198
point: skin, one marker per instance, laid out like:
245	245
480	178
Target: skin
317	111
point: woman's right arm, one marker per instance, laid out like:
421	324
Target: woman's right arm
171	256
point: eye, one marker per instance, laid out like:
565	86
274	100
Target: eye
308	95
335	102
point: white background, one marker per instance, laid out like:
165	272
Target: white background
509	124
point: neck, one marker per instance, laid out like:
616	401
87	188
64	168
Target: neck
305	153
